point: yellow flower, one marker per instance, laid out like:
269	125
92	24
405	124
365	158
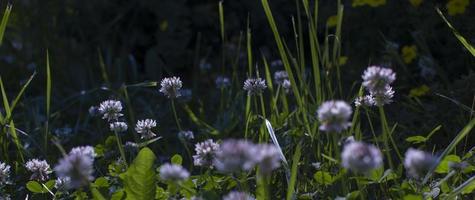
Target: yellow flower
343	60
356	3
419	91
332	21
409	53
455	7
376	3
416	3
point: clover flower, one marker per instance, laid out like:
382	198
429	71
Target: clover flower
222	82
254	86
334	116
234	155
267	157
118	127
376	79
172	172
360	157
280	77
384	97
418	163
40	169
110	110
4	173
367	100
287	86
61	183
144	127
187	135
205	153
171	86
238	196
77	167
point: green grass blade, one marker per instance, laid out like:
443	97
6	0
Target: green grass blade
20	94
102	65
293	173
461	188
48	99
462	40
221	19
3	25
464	132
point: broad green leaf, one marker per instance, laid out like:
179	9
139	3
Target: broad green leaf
323	178
413	197
177	159
96	195
101	182
118	195
444	164
35	187
139	179
469	188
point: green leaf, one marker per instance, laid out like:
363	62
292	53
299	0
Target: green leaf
101	182
4	22
388	175
96	195
469	188
323	178
177	159
35	187
118	195
139	179
416	139
413	197
443	167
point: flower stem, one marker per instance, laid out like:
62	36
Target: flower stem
175	115
121	149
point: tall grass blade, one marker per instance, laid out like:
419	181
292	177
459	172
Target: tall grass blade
464	132
462	40
48	99
3	24
293	173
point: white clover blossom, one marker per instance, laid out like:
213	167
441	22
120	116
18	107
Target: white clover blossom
4	173
366	100
383	97
266	156
234	155
40	169
287	86
334	116
171	86
205	153
144	128
361	157
222	82
77	167
375	79
235	195
172	172
118	126
187	135
280	77
61	183
254	86
418	163
110	110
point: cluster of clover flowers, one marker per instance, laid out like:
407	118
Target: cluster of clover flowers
76	170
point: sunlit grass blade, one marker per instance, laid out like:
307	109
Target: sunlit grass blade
464	132
293	173
462	40
3	24
48	100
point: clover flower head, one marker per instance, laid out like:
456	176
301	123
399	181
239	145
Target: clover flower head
118	126
171	86
222	82
266	156
110	110
367	100
61	183
187	135
4	173
172	172
205	153
361	157
40	169
254	86
77	167
383	97
280	77
417	162
287	86
234	155
334	116
375	79
144	127
238	196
